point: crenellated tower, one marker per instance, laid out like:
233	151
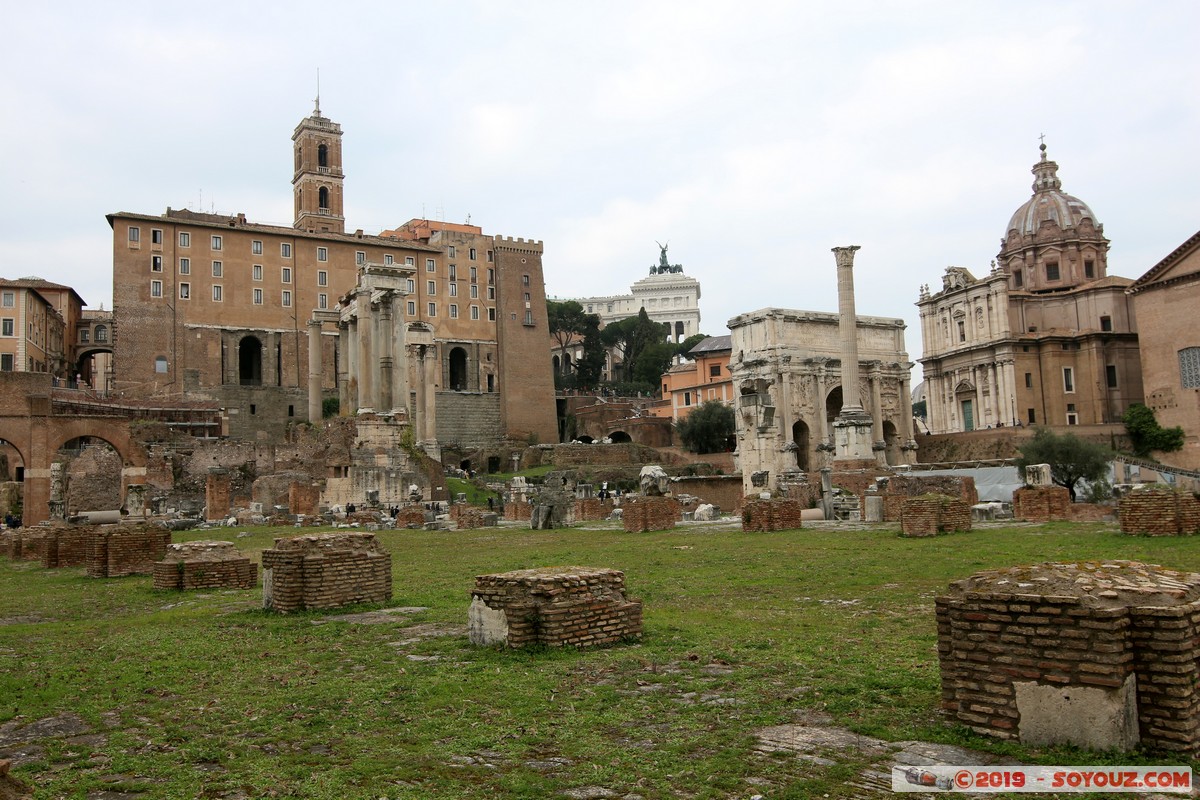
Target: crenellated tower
317	181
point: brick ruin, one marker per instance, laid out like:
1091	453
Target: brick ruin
20	545
897	489
412	516
1041	503
771	515
641	514
593	508
205	565
1159	512
1099	655
932	514
66	547
553	606
118	550
325	571
518	510
467	517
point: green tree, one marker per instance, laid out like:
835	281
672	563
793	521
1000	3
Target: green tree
655	359
687	344
630	337
919	409
568	324
708	428
1070	458
590	368
1147	435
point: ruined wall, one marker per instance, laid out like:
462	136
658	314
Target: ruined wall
641	514
1159	512
204	565
1041	503
325	571
932	514
66	547
411	516
901	487
468	419
723	491
116	551
556	607
518	510
94	480
771	515
468	516
592	508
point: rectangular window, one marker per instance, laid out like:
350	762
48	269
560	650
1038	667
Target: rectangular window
156	288
527	298
258	297
156	263
453	311
962	331
185	239
1110	375
1089	268
1018	279
287	299
454	290
474	274
256	248
9	326
360	257
528	317
1068	379
285	250
256	272
453	271
1032	417
84	336
135	234
412	308
687	398
524	280
1106	323
474	312
430	288
714	371
472	253
410	286
9	299
218	293
218	269
322	301
410	261
322	278
286	275
433	309
491	293
490	256
6	362
322	254
474	291
216	243
1051	270
491	311
185	291
450	251
388	259
156	236
185	266
1072	417
1028	380
430	265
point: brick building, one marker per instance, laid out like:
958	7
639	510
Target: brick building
1165	299
1048	337
692	383
217	307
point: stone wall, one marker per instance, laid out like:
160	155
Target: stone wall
218	495
933	514
722	491
21	544
518	510
468	419
205	565
901	487
556	607
771	515
467	516
413	516
116	551
1041	503
1159	512
640	514
1099	655
303	499
592	508
325	571
66	547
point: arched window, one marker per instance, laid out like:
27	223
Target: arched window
458	369
800	437
322	156
250	361
101	333
323	198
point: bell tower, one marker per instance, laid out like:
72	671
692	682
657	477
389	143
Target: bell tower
317	181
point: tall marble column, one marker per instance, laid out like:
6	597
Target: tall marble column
353	367
343	371
314	371
852	428
386	343
367	361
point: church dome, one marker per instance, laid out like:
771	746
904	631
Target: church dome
1049	202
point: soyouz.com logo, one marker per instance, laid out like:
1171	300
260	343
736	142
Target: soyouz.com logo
978	779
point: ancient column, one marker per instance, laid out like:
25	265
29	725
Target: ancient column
418	356
343	372
994	388
852	428
314	371
367	362
430	363
906	411
977	375
386	343
353	365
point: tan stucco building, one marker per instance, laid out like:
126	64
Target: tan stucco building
1047	337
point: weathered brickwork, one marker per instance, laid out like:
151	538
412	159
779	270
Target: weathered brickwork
1159	512
932	514
468	516
325	571
1041	503
592	508
771	515
218	494
518	510
557	607
1091	625
901	487
205	565
723	491
303	499
66	547
640	514
118	550
413	516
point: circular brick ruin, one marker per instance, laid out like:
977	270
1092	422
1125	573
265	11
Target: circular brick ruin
1097	654
205	564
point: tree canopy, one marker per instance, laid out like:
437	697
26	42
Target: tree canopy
630	337
1147	435
1071	459
687	344
708	428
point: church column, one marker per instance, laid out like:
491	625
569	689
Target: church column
314	371
343	374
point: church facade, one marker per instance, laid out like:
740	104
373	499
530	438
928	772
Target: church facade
1047	337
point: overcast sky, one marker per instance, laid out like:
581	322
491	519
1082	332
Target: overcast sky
752	137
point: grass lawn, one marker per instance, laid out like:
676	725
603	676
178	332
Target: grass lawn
206	695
